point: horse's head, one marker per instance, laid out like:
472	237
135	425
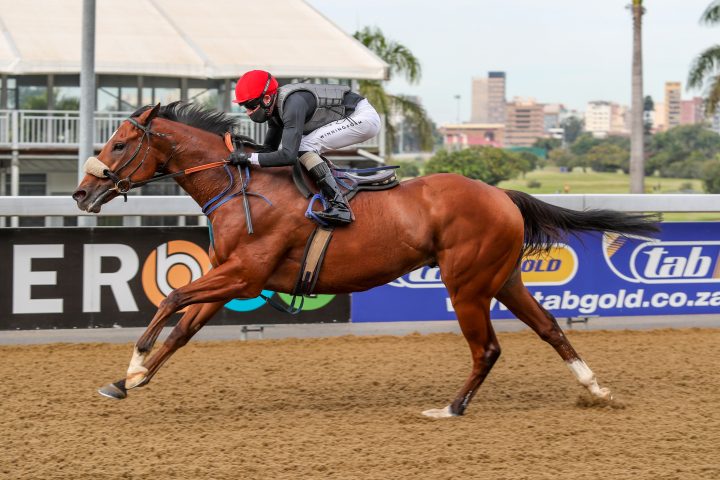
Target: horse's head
133	154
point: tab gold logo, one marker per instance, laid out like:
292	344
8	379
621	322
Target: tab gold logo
557	267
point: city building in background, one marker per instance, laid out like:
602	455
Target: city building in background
488	98
465	135
524	122
672	104
692	111
659	118
553	115
603	118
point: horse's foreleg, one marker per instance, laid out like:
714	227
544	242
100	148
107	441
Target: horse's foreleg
474	318
516	297
193	320
195	317
219	285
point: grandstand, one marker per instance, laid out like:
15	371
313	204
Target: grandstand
155	51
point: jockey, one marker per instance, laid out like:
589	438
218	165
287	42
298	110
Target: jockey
305	120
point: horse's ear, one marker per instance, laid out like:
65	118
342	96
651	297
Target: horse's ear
147	116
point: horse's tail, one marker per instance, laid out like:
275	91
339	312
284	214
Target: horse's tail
547	224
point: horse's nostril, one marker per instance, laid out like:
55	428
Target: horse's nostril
79	195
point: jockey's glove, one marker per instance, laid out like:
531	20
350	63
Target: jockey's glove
239	158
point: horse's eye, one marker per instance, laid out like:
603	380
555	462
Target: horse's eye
118	146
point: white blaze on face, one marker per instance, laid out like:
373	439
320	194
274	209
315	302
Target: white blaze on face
586	377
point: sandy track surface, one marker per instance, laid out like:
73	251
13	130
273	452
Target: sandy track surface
349	408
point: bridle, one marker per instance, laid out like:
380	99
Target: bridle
124	185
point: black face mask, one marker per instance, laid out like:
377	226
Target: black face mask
264	111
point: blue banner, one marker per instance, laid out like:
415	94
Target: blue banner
608	275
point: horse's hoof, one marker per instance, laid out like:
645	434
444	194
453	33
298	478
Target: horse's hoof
136	379
439	413
605	394
115	390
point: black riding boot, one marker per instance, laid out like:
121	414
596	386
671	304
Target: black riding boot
338	211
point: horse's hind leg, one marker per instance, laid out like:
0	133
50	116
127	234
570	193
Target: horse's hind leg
474	318
516	297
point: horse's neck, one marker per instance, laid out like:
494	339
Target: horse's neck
204	185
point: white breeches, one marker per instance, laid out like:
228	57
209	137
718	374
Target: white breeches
363	124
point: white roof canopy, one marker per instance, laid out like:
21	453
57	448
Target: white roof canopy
182	38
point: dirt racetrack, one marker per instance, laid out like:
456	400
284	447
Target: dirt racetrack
349	408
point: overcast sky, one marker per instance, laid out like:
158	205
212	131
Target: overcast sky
565	51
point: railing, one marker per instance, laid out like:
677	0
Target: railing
60	128
39	206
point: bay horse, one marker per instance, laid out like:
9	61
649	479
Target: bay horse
476	233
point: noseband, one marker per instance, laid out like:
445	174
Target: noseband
124	185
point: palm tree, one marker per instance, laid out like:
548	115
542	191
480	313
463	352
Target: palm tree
704	70
401	62
637	138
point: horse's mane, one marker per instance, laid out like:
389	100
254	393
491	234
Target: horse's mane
194	115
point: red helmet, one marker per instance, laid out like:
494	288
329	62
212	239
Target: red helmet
255	84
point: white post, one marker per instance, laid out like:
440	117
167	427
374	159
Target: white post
15	182
15	162
87	94
2	192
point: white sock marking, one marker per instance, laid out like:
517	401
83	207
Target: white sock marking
586	377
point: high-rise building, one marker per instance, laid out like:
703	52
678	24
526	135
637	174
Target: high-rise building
692	111
672	104
488	99
659	118
524	122
597	118
551	115
606	118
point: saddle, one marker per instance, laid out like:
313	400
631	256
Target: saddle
350	180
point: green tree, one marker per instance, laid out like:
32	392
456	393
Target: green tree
401	61
548	144
525	161
704	69
584	143
648	108
407	169
562	157
608	157
572	128
711	176
637	137
681	151
489	164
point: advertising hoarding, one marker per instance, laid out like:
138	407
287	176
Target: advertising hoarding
116	277
676	273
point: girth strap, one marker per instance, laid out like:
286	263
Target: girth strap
312	260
